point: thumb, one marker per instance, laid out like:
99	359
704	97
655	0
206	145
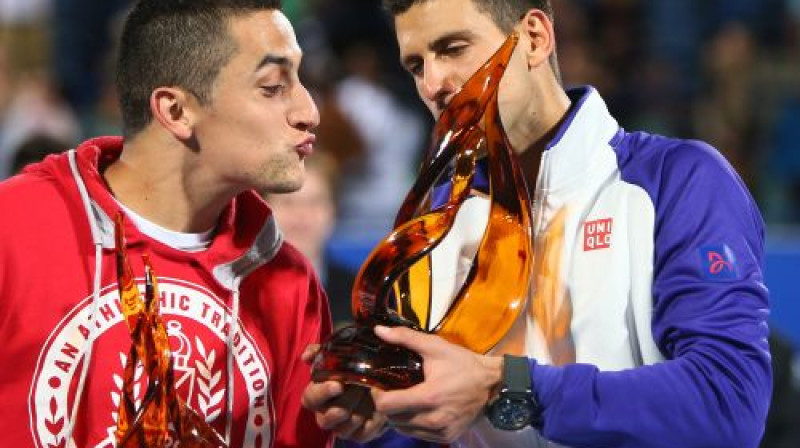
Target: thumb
309	353
416	341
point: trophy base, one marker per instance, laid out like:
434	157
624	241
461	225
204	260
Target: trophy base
355	355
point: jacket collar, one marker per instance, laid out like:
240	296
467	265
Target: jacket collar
575	150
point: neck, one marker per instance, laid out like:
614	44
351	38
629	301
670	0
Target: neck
542	118
154	178
312	252
538	129
529	159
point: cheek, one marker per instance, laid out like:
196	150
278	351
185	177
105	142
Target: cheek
505	99
251	119
235	135
508	87
430	105
512	97
509	103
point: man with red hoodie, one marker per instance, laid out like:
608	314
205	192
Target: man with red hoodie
213	110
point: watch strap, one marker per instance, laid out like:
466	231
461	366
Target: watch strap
516	374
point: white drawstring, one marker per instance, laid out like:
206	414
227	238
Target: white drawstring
98	269
231	376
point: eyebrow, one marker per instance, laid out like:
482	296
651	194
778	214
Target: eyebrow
272	59
441	43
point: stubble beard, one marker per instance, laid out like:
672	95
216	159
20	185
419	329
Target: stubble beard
280	175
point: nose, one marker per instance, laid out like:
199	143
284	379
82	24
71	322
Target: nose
436	86
304	114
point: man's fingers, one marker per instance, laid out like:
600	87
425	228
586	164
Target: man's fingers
372	429
347	410
318	395
416	341
309	353
411	400
350	427
356	399
333	418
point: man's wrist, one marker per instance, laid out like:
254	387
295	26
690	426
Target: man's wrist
494	369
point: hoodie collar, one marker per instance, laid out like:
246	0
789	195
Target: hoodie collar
246	238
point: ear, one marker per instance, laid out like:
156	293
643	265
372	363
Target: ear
173	109
536	29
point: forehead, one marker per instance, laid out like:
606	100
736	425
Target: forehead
428	20
264	32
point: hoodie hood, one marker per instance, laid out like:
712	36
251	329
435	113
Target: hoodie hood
238	314
246	236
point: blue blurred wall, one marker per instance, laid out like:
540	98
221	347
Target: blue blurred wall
782	274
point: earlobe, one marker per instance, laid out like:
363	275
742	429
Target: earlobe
171	110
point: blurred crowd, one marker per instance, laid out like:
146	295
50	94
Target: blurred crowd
726	71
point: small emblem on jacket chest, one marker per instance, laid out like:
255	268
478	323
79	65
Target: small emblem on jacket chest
597	234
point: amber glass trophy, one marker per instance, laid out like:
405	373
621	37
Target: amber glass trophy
162	419
393	286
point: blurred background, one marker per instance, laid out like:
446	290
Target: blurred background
725	71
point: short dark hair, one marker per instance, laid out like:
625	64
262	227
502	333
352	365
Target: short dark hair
179	43
504	13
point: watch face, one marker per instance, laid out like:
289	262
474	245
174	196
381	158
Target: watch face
511	414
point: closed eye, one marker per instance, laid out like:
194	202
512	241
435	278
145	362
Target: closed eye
454	50
273	90
414	66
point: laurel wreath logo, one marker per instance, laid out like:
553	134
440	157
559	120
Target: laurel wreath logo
55	423
210	394
201	372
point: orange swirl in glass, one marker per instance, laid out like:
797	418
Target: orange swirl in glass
496	287
162	418
393	286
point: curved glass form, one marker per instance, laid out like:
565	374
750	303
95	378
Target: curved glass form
355	355
393	286
162	419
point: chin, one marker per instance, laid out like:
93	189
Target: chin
282	188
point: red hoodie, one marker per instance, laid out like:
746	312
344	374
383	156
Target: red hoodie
48	331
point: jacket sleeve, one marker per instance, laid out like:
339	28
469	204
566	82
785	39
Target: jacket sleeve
710	310
297	427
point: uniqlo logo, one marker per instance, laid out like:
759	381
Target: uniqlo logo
597	234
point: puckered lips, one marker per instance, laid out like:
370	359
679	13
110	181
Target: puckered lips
306	147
